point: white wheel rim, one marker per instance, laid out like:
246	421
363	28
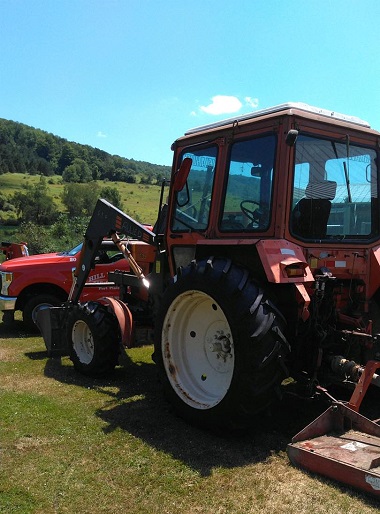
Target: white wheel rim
198	350
83	342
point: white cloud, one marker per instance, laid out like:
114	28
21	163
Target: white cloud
101	134
252	102
222	104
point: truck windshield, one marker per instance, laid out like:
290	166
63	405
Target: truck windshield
74	251
335	190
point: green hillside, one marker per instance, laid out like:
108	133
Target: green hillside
27	150
29	156
138	200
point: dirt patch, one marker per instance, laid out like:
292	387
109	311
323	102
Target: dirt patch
28	442
7	355
22	383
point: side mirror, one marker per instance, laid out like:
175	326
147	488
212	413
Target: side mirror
182	173
291	137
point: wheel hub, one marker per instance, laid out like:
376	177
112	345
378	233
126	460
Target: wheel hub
83	342
221	346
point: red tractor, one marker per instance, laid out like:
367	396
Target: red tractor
264	264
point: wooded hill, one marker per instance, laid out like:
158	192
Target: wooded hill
24	149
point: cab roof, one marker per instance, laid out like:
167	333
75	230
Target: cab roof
279	108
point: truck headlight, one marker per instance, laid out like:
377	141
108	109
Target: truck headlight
5	281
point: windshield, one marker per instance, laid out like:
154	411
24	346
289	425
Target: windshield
74	251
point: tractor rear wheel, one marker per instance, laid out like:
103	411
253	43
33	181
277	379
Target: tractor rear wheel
94	336
219	345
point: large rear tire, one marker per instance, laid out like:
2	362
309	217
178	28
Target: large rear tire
94	336
219	346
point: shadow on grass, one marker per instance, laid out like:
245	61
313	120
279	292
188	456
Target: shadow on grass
16	329
135	403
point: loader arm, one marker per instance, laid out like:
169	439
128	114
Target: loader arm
105	220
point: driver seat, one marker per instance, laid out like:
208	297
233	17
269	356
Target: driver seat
310	215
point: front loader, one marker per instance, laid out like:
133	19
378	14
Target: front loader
63	332
262	272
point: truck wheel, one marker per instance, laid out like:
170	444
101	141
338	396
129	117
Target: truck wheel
94	335
8	317
34	304
219	346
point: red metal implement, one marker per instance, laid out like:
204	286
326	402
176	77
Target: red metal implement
341	444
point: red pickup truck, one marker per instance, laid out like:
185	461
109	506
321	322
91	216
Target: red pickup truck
32	282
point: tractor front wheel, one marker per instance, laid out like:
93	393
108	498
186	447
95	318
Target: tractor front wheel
94	336
219	345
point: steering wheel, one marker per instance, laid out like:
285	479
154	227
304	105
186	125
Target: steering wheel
252	214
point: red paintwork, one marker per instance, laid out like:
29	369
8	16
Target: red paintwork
13	250
276	254
343	445
124	318
55	269
363	384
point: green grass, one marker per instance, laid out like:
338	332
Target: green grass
138	200
71	444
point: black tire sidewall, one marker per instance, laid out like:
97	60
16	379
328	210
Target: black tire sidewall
105	335
253	382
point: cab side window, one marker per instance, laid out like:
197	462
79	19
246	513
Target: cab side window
193	201
248	197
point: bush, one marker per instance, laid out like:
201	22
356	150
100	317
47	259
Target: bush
62	235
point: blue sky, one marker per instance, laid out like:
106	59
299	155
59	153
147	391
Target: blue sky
130	76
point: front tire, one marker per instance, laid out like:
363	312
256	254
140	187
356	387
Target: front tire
94	336
219	346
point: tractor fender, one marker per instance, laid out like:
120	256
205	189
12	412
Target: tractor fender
124	318
280	258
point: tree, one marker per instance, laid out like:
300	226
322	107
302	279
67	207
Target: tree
62	235
80	199
78	171
113	195
36	205
66	158
24	149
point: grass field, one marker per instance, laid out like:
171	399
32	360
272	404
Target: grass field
138	200
70	444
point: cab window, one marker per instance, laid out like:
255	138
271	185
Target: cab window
335	190
192	203
247	202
